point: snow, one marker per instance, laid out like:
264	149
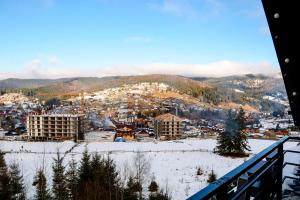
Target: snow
239	91
2	134
106	136
35	147
275	99
289	169
173	163
272	123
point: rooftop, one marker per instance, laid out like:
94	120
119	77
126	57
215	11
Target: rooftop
168	117
59	115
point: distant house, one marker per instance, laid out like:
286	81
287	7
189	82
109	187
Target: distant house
125	133
168	126
119	139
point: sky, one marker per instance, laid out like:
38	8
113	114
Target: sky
71	38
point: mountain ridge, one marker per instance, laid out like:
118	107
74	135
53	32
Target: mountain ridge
249	89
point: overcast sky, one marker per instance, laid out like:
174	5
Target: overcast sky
65	38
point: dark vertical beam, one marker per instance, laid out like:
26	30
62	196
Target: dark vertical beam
283	20
279	173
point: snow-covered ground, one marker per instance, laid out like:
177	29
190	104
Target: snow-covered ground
239	91
272	123
173	163
289	169
2	134
278	100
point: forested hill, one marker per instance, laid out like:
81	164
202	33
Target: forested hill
244	89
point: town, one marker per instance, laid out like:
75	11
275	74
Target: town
133	112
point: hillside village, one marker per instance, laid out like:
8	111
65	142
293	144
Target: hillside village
132	112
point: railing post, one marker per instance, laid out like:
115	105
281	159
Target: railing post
223	193
279	174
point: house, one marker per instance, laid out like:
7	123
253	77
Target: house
126	133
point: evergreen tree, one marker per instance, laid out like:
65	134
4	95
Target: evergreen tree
155	193
212	177
130	192
153	187
97	175
225	139
84	175
111	179
240	138
159	196
4	179
40	183
233	140
16	183
84	170
59	184
72	180
97	165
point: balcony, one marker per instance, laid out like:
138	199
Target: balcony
261	177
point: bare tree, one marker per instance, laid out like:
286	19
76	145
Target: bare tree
126	172
168	192
142	169
40	182
187	189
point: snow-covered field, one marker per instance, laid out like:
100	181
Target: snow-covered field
173	163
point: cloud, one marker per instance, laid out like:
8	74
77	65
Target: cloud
137	39
265	30
215	69
36	69
54	60
175	7
190	8
254	13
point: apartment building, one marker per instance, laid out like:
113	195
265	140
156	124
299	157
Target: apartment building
55	126
168	126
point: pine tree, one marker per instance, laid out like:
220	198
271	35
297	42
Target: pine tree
16	183
233	140
59	184
84	175
156	194
84	170
212	177
40	183
130	192
225	139
240	139
161	195
153	187
97	166
97	174
277	127
72	180
4	179
111	179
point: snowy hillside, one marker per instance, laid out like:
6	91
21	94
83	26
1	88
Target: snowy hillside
173	163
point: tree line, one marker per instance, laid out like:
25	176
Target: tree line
94	177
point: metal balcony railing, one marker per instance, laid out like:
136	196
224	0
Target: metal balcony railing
261	177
